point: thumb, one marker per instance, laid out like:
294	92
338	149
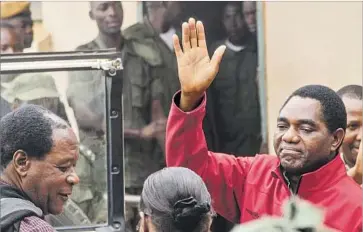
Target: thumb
217	57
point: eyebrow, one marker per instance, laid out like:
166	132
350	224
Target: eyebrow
300	121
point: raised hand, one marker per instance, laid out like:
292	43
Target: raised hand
196	70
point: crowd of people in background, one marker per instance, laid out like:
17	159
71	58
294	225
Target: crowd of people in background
317	138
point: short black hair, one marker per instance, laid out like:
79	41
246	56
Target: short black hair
351	91
28	128
177	199
333	110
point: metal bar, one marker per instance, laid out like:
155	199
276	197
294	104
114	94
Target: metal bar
77	55
112	50
261	69
115	161
61	65
90	228
133	199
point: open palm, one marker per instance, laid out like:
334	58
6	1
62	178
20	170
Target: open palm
196	70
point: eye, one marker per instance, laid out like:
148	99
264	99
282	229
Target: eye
307	129
282	126
353	126
63	169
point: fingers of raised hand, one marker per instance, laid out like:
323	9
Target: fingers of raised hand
177	48
217	57
193	33
201	35
186	37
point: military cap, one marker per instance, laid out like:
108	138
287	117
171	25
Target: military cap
29	86
11	9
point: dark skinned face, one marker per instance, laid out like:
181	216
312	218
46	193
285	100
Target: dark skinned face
233	23
24	28
353	134
302	140
48	181
249	13
108	15
10	42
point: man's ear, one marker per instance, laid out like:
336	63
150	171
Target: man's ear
21	162
338	137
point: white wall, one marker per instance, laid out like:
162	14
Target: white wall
70	25
310	43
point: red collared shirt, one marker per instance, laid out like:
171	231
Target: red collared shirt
246	188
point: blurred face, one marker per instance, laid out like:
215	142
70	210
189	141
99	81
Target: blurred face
249	13
353	134
233	23
10	42
24	28
49	181
108	15
172	16
302	140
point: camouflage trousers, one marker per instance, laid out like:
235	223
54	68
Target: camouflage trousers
132	216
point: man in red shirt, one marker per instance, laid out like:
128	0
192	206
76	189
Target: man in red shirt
310	130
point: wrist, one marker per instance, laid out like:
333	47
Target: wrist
189	102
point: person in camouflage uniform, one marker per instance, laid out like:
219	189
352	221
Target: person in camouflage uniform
40	89
152	41
144	120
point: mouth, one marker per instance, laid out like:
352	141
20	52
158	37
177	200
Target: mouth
114	24
291	152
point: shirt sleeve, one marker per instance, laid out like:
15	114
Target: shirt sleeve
223	174
35	224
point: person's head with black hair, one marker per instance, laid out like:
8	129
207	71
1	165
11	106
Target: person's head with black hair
310	129
234	23
38	153
249	13
351	96
175	199
109	16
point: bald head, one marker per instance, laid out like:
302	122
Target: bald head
108	16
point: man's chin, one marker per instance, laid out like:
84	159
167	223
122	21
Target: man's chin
114	31
56	210
291	167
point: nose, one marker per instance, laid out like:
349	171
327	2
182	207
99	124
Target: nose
290	136
111	11
73	178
